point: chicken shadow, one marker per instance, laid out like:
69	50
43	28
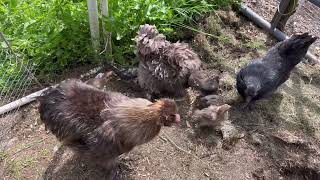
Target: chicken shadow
209	138
264	114
302	102
66	165
266	120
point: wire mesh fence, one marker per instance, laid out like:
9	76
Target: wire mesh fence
16	75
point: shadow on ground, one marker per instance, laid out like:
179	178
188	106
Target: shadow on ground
66	165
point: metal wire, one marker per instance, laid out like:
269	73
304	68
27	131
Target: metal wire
16	74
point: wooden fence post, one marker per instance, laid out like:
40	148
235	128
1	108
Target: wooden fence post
285	9
106	35
94	23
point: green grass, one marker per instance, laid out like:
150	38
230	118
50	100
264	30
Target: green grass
17	166
54	35
255	44
11	73
167	15
3	155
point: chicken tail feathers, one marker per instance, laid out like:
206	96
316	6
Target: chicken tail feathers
297	44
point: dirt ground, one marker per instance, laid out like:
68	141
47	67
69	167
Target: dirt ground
278	139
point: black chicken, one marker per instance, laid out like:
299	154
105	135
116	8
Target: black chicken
263	76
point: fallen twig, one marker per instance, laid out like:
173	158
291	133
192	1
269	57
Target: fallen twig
164	139
175	145
183	150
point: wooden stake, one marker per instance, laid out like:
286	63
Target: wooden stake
94	23
285	9
107	35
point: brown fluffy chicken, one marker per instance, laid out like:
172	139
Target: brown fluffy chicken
164	67
102	125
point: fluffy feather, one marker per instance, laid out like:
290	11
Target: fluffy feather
102	125
164	67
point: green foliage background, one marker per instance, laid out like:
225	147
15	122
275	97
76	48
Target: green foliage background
54	34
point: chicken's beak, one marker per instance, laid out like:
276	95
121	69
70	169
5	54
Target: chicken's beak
178	119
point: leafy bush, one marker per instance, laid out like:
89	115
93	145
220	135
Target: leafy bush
54	34
128	15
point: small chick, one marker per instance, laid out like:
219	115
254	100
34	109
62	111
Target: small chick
211	116
212	99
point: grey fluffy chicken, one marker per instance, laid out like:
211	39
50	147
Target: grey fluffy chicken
102	125
263	76
164	67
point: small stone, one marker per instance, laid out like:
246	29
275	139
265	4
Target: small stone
42	127
55	148
257	138
36	122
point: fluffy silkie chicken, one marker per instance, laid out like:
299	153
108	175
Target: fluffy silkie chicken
102	125
165	67
263	76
